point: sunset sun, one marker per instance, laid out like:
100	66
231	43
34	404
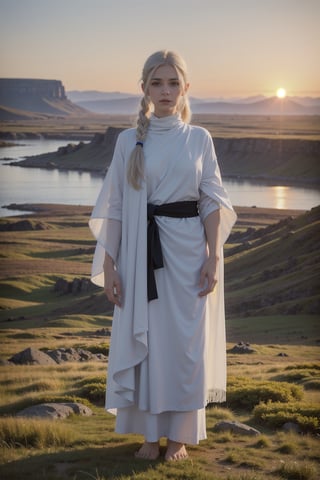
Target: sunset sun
281	93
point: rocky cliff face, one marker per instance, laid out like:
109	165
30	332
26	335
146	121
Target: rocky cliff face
289	161
32	95
269	158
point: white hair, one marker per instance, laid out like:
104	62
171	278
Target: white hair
163	57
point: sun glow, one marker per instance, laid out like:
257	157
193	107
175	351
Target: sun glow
281	93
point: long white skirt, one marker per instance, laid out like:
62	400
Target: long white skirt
182	427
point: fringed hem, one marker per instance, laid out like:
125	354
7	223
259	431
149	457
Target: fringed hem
216	396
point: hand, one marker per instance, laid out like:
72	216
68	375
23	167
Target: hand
112	285
208	276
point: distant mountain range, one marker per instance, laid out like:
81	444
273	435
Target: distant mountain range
118	103
25	98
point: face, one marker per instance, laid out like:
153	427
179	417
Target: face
165	91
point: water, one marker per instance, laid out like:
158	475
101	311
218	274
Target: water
36	185
24	148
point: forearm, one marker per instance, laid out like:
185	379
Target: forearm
112	241
112	282
211	226
108	263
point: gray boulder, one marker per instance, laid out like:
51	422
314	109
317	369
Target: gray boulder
241	347
61	355
236	427
55	410
32	356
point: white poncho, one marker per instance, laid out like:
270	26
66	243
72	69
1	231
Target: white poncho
168	354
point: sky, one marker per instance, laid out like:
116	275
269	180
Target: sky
232	47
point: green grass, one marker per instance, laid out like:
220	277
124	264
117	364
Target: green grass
87	446
82	448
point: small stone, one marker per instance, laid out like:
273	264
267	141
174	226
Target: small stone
291	427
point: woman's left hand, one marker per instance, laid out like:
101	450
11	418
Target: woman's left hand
208	276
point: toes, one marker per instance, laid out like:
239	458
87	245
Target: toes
147	452
176	452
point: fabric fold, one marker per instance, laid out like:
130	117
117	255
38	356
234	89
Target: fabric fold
187	173
186	209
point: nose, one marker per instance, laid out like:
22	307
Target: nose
166	90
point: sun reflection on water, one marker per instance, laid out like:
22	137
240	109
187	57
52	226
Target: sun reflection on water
280	196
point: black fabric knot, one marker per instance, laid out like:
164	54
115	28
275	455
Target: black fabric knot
154	254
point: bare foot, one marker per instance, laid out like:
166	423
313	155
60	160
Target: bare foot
175	451
148	451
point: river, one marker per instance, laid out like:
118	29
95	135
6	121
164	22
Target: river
37	185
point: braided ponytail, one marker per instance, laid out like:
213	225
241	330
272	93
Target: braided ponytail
135	172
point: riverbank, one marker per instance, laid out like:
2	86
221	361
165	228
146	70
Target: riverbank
266	150
266	160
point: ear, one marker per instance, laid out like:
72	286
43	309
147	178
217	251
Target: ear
143	88
186	88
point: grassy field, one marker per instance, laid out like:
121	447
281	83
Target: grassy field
284	368
224	126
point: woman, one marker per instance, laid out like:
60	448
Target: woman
160	222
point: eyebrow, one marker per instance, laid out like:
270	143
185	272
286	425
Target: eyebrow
173	78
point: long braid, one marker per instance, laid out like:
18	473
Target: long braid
135	171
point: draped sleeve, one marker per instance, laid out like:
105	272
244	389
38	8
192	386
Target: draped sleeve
213	193
106	218
212	196
121	211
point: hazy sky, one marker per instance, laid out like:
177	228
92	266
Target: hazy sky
232	47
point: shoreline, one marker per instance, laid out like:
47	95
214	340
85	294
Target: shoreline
268	180
266	214
259	161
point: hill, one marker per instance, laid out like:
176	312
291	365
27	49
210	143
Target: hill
19	98
272	264
274	269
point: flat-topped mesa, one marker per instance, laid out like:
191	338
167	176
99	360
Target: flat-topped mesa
36	95
12	87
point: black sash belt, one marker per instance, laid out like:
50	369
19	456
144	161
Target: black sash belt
155	258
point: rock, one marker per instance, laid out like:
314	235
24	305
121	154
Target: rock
32	356
291	427
241	347
55	410
282	354
236	427
62	286
62	355
40	96
77	285
105	332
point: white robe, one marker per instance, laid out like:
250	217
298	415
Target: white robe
167	355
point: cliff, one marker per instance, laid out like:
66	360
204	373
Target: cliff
268	158
18	96
289	161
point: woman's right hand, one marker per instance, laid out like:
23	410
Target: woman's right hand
112	282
